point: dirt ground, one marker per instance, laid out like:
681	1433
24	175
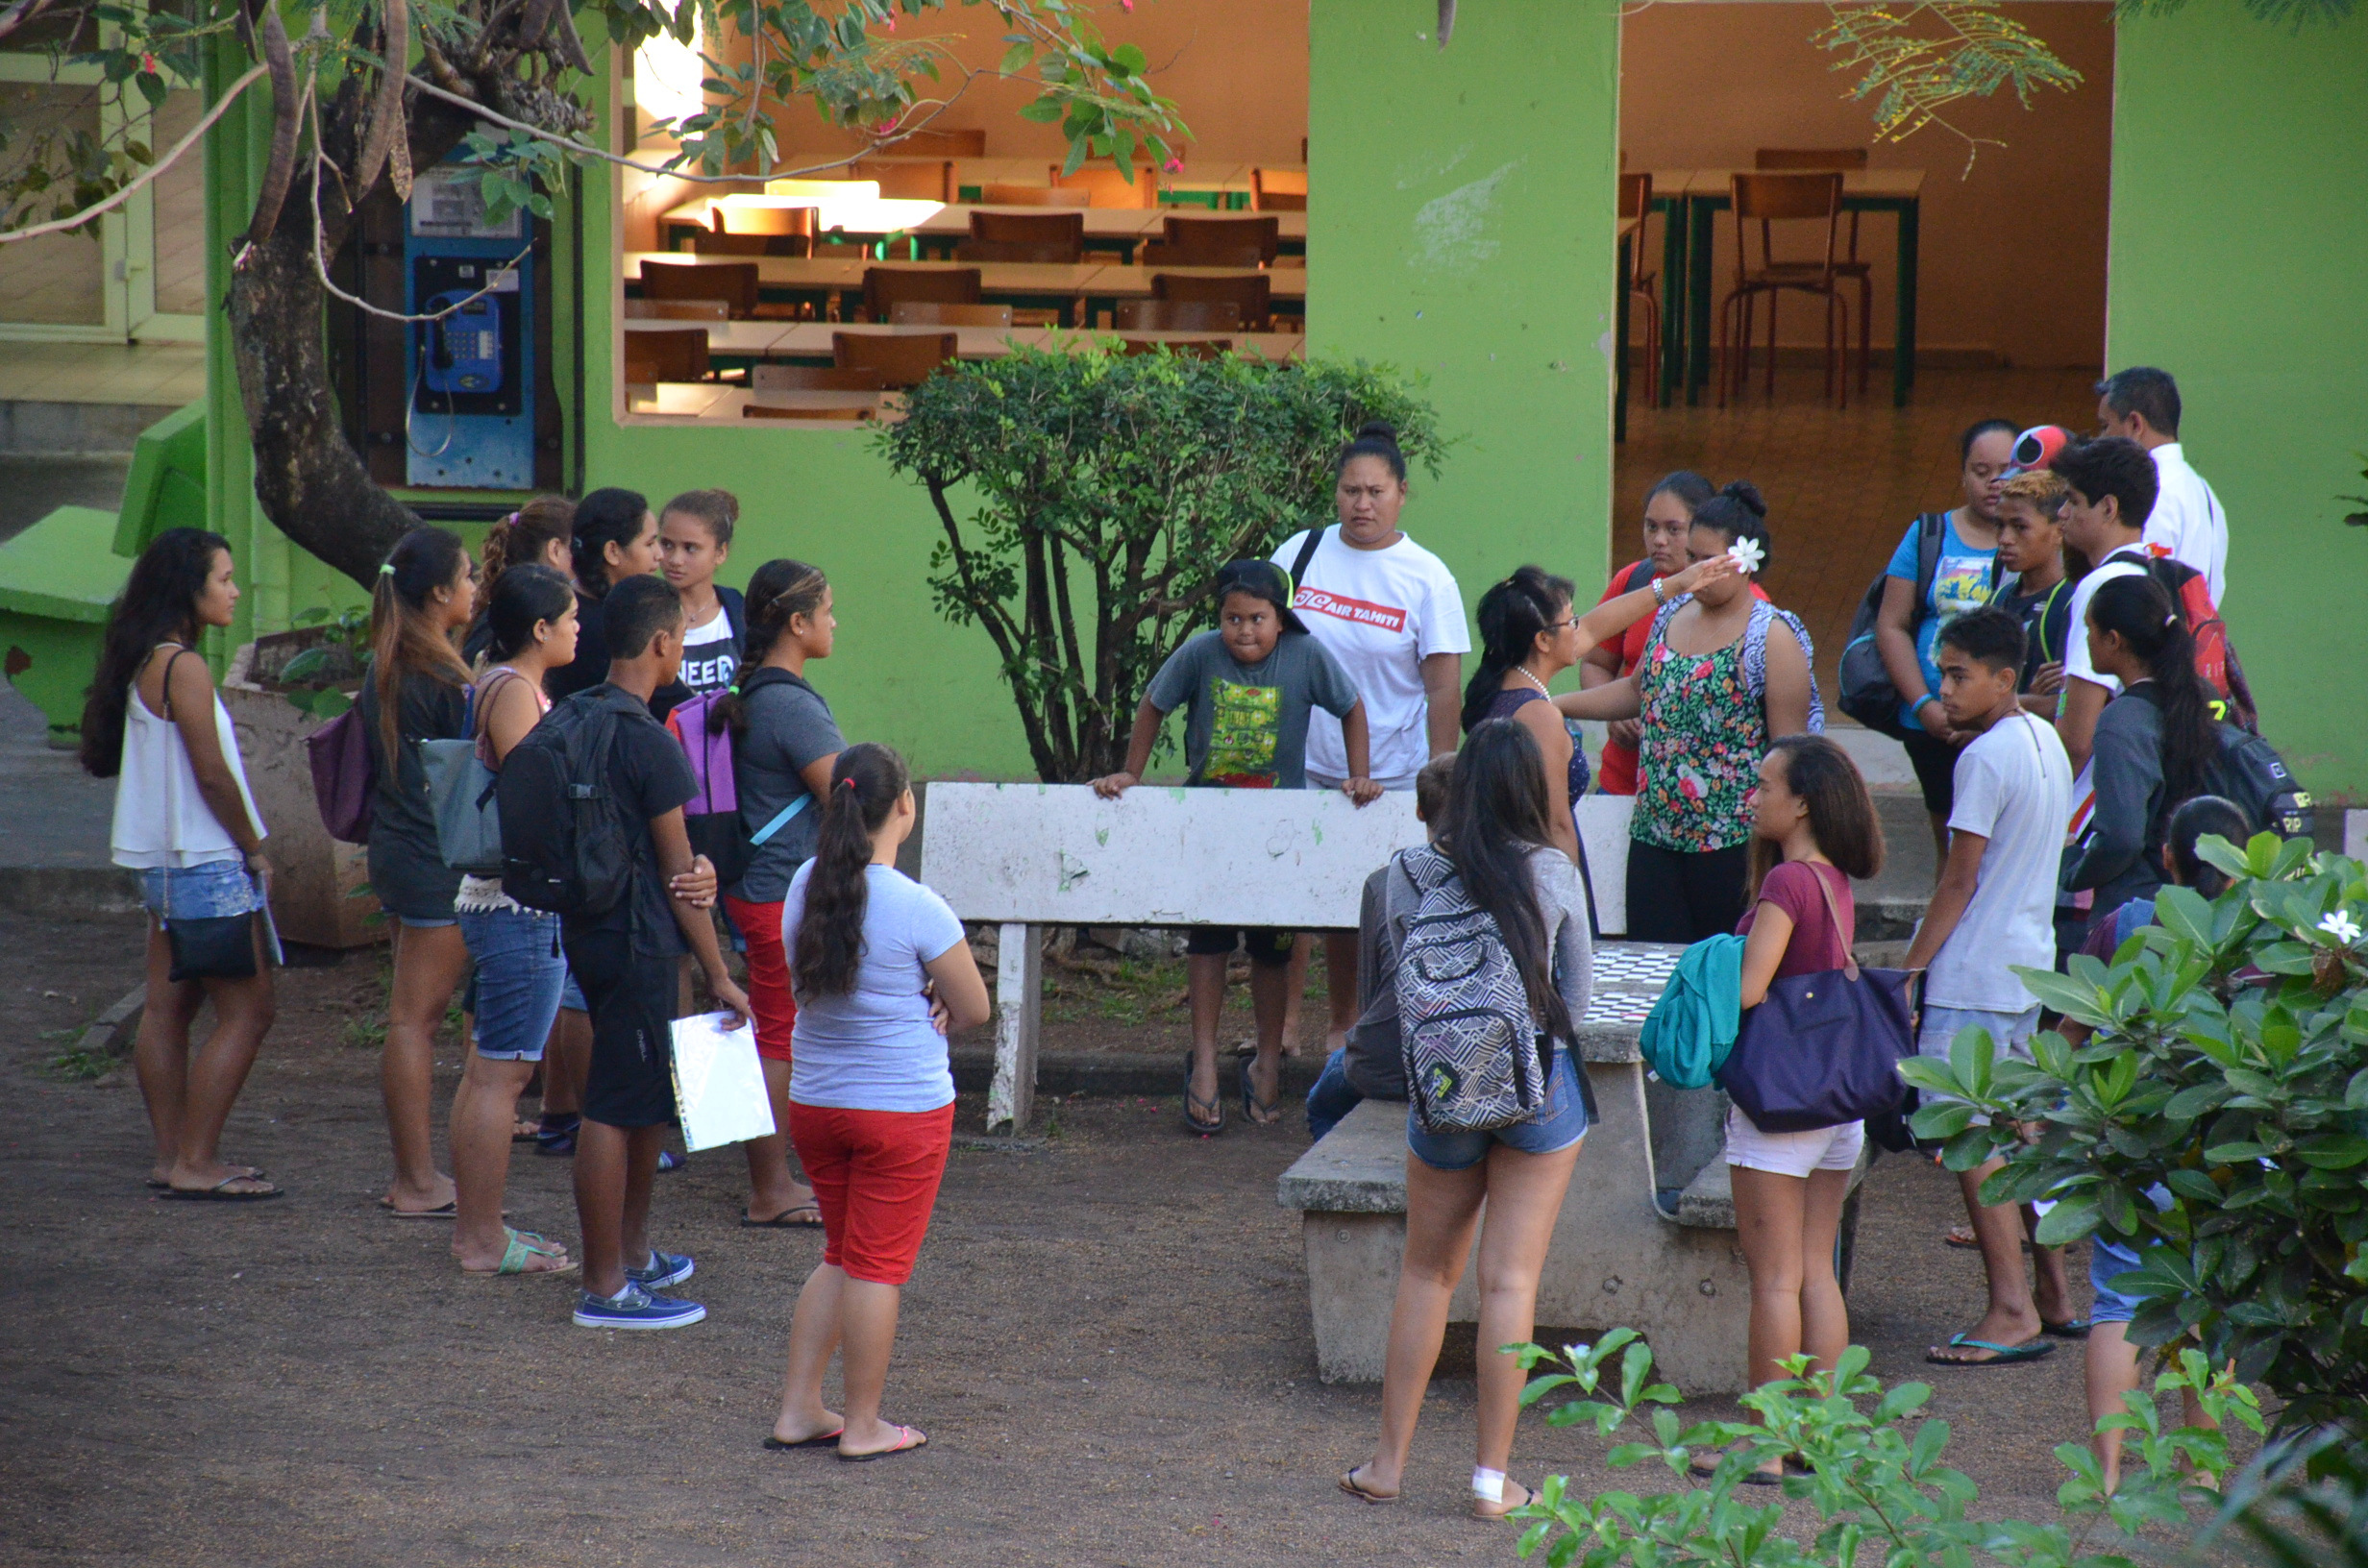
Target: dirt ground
1107	1342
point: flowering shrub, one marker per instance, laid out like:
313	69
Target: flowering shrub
2215	1118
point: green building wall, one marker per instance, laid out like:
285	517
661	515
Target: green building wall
2239	263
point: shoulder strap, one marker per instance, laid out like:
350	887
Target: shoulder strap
1929	529
1639	577
1833	913
770	674
734	608
1307	553
178	651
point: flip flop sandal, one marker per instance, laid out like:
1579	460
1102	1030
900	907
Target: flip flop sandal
217	1193
668	1160
525	1131
2029	1350
1483	1508
1263	1115
2071	1328
1194	1102
448	1209
821	1439
516	1251
787	1220
250	1173
908	1440
1355	1489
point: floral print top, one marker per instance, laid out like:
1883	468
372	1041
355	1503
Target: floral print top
1705	732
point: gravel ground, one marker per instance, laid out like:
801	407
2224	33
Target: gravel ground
1107	1342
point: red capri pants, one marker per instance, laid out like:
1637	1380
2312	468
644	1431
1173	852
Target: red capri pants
777	1014
875	1175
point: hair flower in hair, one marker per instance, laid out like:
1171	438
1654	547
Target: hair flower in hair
2342	927
1746	555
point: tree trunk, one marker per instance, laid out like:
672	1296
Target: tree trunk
311	483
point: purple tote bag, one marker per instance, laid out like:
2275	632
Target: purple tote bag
342	777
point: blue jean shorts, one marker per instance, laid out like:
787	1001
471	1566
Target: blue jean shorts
199	892
519	972
570	994
1560	1125
2106	1259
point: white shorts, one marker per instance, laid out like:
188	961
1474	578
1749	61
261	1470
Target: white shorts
1794	1154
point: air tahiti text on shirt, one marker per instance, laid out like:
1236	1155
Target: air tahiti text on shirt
1358	610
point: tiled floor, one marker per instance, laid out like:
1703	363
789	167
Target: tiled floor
1842	487
145	373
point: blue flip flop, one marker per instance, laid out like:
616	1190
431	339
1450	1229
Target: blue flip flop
2031	1350
2076	1328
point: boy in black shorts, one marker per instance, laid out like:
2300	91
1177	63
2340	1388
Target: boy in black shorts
626	961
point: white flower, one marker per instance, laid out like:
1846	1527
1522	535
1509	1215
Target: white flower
1746	555
2342	927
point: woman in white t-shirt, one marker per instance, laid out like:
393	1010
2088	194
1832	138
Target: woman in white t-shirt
1391	613
874	955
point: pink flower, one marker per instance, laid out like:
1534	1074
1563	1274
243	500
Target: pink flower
1174	165
148	63
1127	5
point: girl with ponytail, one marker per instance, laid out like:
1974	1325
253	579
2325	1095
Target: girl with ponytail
1528	635
2156	743
882	975
784	744
694	539
539	533
615	538
418	691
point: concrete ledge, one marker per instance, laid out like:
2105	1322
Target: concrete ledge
1116	1072
1358	1169
75	892
76	430
1708	1201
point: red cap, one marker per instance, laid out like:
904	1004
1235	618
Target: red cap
2036	447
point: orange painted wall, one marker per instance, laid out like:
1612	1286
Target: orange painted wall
2013	250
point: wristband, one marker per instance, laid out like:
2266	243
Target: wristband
1661	595
1921	700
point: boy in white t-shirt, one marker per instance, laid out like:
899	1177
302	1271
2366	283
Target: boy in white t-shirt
1994	910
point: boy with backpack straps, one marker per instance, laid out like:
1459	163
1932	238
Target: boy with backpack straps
592	828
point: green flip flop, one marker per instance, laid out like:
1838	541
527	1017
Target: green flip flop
2031	1350
521	1246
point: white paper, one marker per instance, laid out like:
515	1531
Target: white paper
719	1083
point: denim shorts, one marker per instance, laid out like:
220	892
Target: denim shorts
2106	1259
570	994
199	892
519	972
1560	1125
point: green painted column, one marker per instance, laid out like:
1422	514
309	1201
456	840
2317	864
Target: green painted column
2240	263
1461	218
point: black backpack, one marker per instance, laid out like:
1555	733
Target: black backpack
2249	771
566	846
1863	688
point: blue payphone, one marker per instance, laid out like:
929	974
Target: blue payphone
469	419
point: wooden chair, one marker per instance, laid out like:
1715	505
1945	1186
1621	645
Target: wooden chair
666	356
1850	160
936	313
1035	196
676	311
902	359
1198	233
1153	253
734	282
910	182
1636	205
1178	316
841	247
776	378
844	416
985	251
1279	190
707	243
1249	294
1190	348
1764	201
885	287
1061	231
931	143
788	231
1106	187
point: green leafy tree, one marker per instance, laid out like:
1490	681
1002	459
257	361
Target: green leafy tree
2226	1074
1868	1472
1088	498
362	93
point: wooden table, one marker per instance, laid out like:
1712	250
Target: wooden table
1111	284
1687	256
811	340
731	339
713	403
827	278
944	224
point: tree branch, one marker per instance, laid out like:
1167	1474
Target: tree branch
287	121
386	121
76	220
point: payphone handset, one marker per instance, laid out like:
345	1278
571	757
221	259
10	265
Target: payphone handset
463	349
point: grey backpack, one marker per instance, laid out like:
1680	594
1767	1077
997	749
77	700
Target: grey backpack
1474	1057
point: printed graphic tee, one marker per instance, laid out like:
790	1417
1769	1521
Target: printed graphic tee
711	655
1380	613
1247	724
1960	582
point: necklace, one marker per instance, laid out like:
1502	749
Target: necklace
1533	680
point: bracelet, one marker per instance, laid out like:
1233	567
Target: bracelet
1661	595
1921	700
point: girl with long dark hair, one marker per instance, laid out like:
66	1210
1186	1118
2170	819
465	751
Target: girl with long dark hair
1723	673
1814	829
871	1092
1528	635
539	533
187	823
532	616
784	744
1497	831
694	539
2155	743
418	690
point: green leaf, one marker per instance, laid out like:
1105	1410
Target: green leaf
1019	58
1044	111
1129	60
2065	995
2066	1222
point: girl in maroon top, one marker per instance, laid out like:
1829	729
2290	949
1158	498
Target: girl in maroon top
1811	809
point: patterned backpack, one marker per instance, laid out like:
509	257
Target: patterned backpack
1475	1059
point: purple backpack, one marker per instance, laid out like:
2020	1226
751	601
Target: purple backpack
712	817
343	779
